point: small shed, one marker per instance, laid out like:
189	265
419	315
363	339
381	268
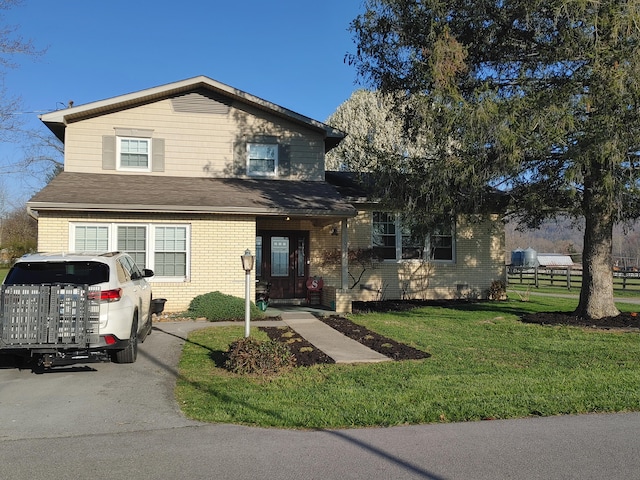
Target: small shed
554	260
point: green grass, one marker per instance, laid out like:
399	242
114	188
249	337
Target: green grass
618	292
3	274
632	289
484	364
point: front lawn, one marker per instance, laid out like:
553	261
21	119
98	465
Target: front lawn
485	364
525	291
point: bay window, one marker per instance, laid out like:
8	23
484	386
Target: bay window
133	240
164	248
170	251
91	238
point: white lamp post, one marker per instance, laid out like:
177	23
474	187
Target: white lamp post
247	265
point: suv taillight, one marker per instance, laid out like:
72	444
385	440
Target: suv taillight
111	295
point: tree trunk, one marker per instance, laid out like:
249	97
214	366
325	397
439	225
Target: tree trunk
596	295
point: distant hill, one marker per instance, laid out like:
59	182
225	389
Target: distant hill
565	236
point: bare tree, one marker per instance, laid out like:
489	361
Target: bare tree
19	233
12	45
43	156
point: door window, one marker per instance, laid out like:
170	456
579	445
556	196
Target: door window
258	256
301	258
279	256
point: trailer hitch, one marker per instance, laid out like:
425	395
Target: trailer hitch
46	360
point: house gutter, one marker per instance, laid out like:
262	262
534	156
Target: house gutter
33	214
33	207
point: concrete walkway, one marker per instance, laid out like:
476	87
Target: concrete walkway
339	347
303	321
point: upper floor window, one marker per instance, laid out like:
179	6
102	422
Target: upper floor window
134	150
262	159
393	241
134	153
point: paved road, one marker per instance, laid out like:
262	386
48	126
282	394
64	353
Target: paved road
110	421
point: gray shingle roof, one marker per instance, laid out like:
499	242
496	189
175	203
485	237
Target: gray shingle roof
152	193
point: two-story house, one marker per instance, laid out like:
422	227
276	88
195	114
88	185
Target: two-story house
186	176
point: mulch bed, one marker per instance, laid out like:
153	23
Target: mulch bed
379	343
306	354
624	321
402	305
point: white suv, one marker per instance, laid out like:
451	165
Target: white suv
125	303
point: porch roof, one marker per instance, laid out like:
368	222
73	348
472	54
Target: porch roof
71	191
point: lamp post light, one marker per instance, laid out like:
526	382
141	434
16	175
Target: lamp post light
247	265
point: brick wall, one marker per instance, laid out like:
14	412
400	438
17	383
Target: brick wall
479	261
217	242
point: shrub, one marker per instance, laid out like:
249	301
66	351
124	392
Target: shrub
497	290
217	306
251	356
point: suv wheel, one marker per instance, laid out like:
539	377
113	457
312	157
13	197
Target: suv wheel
130	353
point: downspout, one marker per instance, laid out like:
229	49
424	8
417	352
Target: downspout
32	213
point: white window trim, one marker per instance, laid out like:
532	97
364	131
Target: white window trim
276	161
453	248
119	154
152	251
150	247
426	250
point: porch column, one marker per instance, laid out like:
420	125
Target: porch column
345	255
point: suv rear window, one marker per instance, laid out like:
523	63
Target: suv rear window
67	273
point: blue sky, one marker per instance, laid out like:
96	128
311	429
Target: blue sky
289	52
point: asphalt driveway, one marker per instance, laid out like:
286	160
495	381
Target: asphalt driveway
107	421
97	398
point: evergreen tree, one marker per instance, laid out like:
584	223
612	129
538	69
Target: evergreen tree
536	98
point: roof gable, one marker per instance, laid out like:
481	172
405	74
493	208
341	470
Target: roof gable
184	92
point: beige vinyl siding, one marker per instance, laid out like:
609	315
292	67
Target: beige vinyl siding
196	144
